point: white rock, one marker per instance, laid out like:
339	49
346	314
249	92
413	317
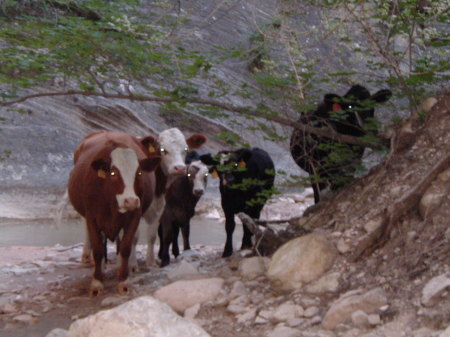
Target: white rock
341	310
374	319
236	309
360	319
342	246
284	331
286	311
327	283
252	267
300	261
372	225
311	312
238	289
434	288
181	295
191	312
57	333
247	316
25	318
183	270
445	333
141	317
110	301
423	332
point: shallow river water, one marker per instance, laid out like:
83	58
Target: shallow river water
44	233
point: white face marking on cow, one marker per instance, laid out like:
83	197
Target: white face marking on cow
200	179
173	151
126	162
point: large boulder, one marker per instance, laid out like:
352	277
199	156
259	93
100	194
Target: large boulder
142	317
301	261
181	295
342	309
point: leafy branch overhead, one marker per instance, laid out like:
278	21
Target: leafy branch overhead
126	50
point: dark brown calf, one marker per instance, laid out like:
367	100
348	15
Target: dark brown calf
181	199
111	185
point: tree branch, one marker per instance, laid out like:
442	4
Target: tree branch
327	133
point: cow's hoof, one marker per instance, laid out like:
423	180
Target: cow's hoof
96	288
124	288
227	254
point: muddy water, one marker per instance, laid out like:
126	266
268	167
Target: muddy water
43	233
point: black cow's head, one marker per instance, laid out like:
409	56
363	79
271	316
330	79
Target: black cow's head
229	166
349	113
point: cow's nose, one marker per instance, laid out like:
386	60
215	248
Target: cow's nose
131	204
179	169
198	192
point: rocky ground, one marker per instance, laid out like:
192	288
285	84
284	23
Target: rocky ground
374	261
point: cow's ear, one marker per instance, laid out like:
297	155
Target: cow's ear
357	92
195	141
244	155
330	99
150	164
150	143
207	159
381	96
101	166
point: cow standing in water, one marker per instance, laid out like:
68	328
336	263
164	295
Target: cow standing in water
329	162
246	183
181	198
111	185
173	147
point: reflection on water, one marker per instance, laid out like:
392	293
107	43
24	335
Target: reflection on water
43	233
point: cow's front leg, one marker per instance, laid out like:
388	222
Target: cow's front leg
229	228
185	229
126	244
152	217
247	236
96	241
87	252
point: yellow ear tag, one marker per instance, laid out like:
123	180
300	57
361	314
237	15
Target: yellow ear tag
101	173
242	164
215	174
151	148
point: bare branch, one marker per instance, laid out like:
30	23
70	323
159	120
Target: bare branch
327	133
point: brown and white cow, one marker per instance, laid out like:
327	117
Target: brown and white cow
111	186
173	147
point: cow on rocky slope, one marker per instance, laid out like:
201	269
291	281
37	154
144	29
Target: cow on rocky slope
246	183
331	163
181	198
111	185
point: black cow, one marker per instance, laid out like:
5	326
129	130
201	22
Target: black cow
181	198
329	162
246	182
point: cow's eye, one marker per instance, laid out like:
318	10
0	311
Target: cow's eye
350	106
188	174
206	174
139	173
113	173
186	149
235	165
163	150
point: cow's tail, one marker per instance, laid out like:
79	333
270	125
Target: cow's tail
60	209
